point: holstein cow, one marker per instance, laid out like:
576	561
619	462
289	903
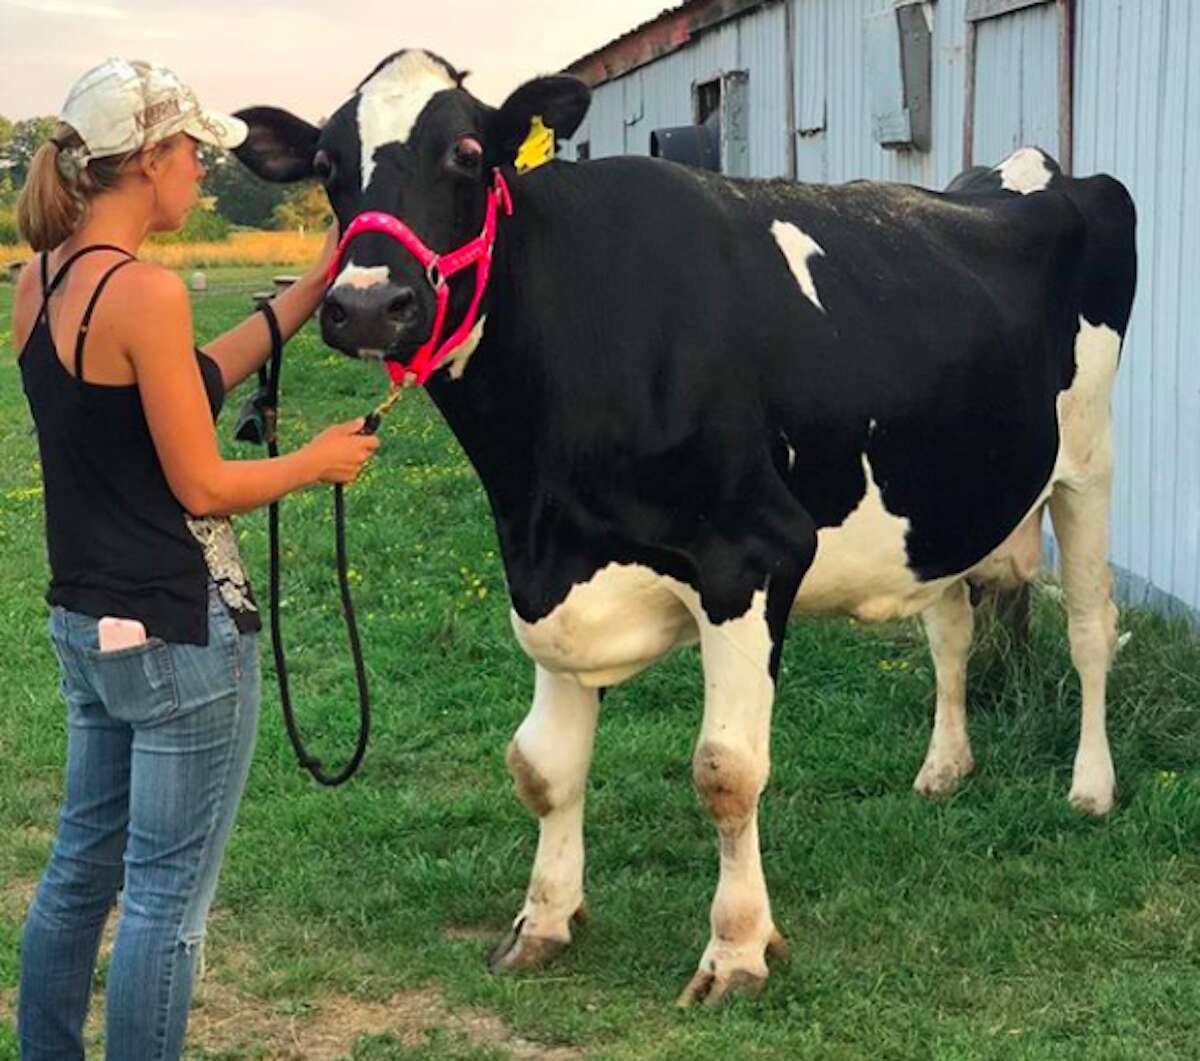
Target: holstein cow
700	406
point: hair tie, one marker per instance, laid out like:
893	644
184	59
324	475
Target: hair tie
68	162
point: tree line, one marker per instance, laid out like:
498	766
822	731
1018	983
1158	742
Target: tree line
230	191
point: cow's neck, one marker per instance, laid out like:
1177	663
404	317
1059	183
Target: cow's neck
493	406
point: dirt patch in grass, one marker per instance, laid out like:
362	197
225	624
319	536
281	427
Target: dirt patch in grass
226	1020
15	897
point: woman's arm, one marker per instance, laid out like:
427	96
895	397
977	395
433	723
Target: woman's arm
159	344
242	349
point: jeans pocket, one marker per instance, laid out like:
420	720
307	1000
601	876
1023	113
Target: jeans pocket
136	685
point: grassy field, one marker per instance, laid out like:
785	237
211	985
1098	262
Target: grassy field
995	924
257	248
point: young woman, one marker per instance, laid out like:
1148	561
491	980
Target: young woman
161	707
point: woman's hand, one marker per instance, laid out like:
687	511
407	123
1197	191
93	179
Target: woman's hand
328	249
338	453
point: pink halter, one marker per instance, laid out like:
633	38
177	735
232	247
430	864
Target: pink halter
438	269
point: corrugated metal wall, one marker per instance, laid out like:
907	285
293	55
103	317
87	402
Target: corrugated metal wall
830	38
1016	83
1137	116
624	111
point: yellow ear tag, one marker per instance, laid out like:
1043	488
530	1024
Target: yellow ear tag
538	147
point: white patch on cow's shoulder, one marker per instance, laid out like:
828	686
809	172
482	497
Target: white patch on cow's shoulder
358	276
392	100
608	628
861	566
1025	171
457	360
799	248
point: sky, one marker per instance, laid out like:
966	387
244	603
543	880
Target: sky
304	55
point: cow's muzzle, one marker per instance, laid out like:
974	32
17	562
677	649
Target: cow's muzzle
380	317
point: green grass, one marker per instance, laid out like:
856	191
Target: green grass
995	924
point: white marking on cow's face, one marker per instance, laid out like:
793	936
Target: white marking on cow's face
799	248
861	566
357	276
1025	171
457	361
390	103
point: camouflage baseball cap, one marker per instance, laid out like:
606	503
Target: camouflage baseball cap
124	105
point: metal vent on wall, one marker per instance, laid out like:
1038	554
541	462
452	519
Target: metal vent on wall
720	141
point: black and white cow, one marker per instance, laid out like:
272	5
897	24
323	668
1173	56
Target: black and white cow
700	406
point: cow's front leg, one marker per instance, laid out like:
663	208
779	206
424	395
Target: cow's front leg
730	767
549	759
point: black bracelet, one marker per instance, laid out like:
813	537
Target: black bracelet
268	311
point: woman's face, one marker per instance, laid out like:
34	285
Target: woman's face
176	175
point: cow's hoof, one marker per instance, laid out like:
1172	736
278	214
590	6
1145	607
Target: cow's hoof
1096	802
940	777
519	952
713	986
1093	786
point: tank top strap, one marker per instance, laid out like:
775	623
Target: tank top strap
86	322
50	286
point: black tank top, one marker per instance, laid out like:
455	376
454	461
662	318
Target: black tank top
119	541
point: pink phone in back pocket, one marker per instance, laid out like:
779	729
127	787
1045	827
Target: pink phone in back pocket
116	633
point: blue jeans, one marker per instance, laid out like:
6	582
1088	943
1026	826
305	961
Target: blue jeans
159	747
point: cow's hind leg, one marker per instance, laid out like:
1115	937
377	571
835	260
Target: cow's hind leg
949	624
730	767
1080	515
549	758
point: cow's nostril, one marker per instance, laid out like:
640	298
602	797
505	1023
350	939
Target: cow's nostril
403	304
336	313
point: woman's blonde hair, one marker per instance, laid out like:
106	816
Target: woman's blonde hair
57	189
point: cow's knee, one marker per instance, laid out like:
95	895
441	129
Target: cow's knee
534	789
729	781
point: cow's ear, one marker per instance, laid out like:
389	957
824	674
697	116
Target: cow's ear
560	101
279	147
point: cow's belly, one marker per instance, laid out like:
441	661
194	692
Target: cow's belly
861	566
607	629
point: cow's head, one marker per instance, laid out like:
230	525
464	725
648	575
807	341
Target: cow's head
411	142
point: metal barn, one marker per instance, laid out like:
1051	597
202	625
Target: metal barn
832	90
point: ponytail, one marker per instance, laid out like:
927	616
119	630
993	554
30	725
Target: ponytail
57	188
48	210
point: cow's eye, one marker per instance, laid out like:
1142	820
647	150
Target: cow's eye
466	156
323	167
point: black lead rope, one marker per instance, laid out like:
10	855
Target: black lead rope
257	424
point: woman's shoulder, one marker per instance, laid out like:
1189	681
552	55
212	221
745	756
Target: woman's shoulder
153	282
145	295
